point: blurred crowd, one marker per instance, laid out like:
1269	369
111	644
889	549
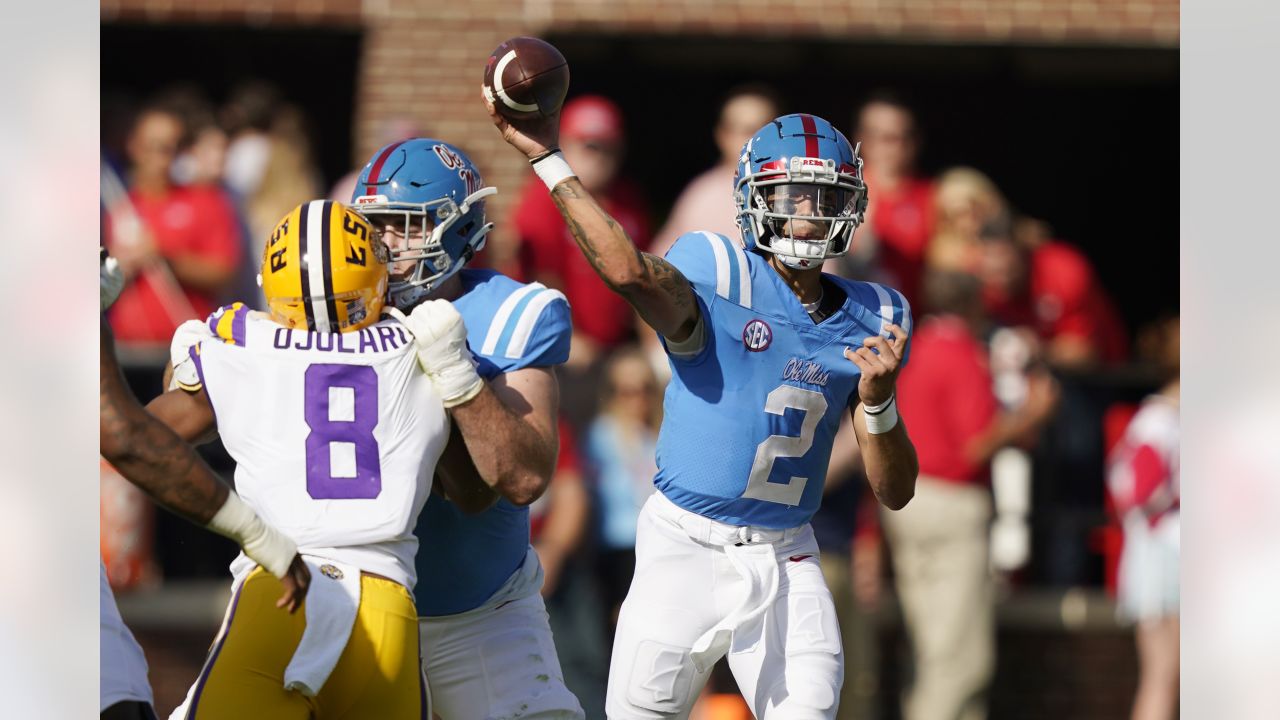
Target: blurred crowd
1022	375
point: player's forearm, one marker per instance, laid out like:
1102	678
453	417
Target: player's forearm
155	459
508	453
459	481
652	286
891	465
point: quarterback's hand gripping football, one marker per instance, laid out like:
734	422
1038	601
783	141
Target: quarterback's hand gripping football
879	359
440	338
535	137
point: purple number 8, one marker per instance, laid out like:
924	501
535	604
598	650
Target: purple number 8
358	431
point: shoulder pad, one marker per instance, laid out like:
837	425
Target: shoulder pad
714	265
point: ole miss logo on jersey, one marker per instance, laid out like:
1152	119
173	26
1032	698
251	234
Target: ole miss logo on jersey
757	335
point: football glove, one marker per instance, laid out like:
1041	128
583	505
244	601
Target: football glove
440	339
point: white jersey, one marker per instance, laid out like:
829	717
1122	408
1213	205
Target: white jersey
335	436
123	667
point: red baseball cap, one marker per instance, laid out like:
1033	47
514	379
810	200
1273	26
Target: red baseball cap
592	117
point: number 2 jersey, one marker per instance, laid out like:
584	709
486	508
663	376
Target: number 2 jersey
335	436
748	421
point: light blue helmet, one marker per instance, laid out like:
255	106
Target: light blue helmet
437	190
792	161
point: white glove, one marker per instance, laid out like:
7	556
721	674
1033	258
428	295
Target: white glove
110	280
440	338
188	334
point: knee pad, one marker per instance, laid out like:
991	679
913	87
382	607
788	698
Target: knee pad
662	678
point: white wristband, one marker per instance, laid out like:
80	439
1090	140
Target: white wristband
552	169
883	417
262	543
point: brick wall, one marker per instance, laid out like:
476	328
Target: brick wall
425	57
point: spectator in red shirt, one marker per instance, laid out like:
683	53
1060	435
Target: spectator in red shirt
940	541
592	138
900	215
185	234
1051	287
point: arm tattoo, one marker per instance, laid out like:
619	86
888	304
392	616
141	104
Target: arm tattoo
148	453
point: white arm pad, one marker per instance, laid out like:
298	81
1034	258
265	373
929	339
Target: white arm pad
262	543
440	338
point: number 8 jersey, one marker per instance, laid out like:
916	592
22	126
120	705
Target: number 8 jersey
749	420
335	435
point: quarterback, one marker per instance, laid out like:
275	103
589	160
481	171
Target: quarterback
335	431
770	352
487	646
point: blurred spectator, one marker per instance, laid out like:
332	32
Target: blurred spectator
393	129
705	204
178	245
620	452
1050	287
592	138
939	542
247	118
965	200
900	215
558	524
1144	480
289	177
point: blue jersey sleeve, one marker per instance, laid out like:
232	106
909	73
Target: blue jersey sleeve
888	306
531	328
713	264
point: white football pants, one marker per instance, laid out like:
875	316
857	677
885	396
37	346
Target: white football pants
496	662
703	588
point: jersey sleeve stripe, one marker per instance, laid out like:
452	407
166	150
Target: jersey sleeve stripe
886	305
904	320
528	319
509	327
237	324
499	322
721	254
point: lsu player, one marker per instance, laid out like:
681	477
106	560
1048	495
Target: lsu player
487	645
335	432
766	353
148	453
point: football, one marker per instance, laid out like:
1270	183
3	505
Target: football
526	77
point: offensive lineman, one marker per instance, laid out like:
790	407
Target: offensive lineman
487	646
150	456
768	351
335	433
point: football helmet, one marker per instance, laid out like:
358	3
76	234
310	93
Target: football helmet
324	269
799	191
436	192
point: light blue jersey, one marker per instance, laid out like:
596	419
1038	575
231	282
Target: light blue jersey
749	421
463	559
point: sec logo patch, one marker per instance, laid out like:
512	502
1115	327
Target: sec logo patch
757	335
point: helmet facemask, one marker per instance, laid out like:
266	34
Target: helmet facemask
803	212
425	227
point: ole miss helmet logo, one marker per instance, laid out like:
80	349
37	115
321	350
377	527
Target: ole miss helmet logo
757	335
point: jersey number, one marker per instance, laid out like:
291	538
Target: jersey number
341	408
813	405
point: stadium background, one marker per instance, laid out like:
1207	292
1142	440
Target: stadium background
1069	106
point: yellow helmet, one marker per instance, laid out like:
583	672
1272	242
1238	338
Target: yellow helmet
324	269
